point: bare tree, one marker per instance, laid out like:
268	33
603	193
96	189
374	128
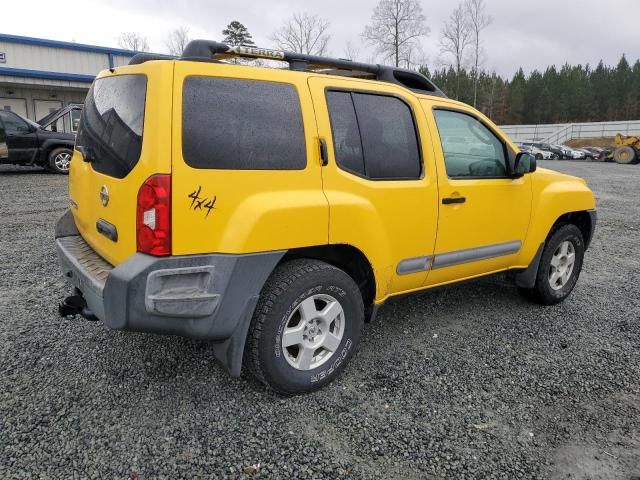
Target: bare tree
395	29
456	38
178	40
303	33
133	41
351	51
478	20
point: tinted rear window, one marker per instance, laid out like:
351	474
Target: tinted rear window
112	123
241	125
374	135
389	137
346	134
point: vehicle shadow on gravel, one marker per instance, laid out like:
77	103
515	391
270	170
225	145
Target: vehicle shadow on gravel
162	358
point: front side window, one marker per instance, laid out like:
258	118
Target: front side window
112	123
240	124
470	149
374	136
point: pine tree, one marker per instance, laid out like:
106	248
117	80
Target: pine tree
569	95
237	34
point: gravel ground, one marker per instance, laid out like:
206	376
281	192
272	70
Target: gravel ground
465	382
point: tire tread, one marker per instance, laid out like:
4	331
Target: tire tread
280	281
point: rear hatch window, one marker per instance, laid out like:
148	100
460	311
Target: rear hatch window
112	123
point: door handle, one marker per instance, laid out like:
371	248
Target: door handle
324	157
452	200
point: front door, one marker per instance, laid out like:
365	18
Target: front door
21	138
380	177
484	212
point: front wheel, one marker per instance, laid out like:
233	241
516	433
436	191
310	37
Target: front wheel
305	328
60	160
560	266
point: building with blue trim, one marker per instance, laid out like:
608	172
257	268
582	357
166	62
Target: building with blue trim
38	76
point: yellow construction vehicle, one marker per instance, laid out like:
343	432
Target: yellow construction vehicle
627	150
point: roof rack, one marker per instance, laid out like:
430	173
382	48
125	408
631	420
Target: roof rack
207	51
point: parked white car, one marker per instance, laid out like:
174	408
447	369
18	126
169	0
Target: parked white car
573	154
536	152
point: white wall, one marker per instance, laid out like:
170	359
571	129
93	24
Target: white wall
563	132
36	57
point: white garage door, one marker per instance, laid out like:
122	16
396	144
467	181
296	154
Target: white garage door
16	105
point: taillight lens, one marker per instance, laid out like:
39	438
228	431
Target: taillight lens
153	216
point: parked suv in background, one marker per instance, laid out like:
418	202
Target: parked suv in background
274	211
32	144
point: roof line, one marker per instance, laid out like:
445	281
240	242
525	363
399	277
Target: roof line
43	42
23	72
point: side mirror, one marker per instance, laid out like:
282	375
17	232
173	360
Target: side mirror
524	163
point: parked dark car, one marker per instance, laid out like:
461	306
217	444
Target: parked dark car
588	153
596	152
23	142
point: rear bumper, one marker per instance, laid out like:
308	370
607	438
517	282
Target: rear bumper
203	296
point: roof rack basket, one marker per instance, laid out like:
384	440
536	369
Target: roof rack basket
207	50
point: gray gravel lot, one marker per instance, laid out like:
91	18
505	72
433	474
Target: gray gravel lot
465	382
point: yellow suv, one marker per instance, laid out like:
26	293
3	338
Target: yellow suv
273	211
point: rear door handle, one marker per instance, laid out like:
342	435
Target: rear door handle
452	200
324	157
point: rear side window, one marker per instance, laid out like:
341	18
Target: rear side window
374	135
112	123
242	125
346	134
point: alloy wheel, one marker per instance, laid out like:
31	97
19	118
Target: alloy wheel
313	332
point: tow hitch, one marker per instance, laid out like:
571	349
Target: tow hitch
76	305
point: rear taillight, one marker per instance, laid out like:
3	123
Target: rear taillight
153	216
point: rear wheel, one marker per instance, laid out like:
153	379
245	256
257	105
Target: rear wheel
560	266
60	160
625	155
306	327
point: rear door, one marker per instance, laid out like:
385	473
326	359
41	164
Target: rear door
246	168
125	133
380	179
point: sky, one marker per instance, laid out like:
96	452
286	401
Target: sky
528	33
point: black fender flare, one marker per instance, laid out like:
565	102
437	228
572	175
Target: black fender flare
51	144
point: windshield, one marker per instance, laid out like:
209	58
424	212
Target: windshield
112	122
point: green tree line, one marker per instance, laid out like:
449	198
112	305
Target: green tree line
568	94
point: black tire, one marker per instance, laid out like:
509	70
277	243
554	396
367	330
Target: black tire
289	285
55	163
542	292
625	155
539	156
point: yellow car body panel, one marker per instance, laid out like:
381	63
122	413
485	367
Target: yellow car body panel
389	221
495	211
85	184
255	211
